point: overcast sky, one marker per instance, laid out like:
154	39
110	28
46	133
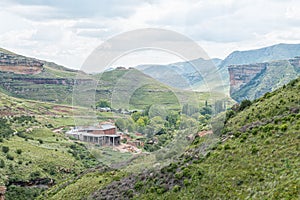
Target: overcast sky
66	31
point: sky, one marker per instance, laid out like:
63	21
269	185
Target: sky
67	31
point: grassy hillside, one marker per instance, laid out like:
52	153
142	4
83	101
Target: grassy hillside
32	156
55	83
56	115
131	89
256	157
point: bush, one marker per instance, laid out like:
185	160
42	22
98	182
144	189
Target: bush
186	182
254	150
2	163
176	188
35	175
283	127
19	151
138	185
5	149
229	114
244	104
226	147
9	157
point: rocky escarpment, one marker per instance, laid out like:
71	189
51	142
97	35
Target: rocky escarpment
254	80
240	75
19	64
30	78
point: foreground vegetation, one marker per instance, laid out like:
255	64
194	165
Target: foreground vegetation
33	157
255	157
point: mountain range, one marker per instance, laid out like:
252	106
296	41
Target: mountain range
186	74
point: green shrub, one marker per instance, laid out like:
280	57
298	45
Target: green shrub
9	157
186	182
161	190
283	127
226	146
244	104
187	172
237	134
2	163
5	149
254	150
178	175
35	175
19	151
138	185
176	188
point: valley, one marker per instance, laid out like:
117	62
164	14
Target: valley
171	139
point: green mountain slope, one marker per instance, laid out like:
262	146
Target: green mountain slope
183	75
50	82
256	157
35	79
132	89
34	154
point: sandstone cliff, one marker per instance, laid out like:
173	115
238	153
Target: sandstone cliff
19	64
254	80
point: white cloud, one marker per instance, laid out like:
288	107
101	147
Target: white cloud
66	32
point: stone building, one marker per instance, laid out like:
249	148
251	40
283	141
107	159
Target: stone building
104	135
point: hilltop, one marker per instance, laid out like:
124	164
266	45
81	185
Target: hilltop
266	54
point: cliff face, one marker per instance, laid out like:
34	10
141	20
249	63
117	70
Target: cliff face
19	64
35	79
254	80
240	75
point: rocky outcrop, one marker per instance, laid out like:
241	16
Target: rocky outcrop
240	75
254	80
19	64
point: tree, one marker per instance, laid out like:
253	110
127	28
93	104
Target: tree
140	122
189	109
103	104
121	124
244	104
206	110
219	106
130	128
136	115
